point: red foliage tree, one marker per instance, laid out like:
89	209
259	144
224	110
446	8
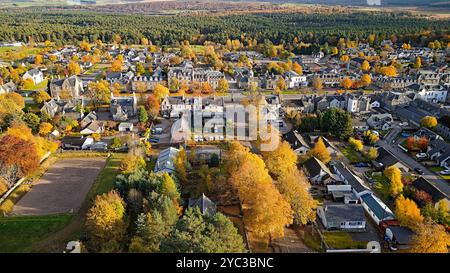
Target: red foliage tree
422	197
153	105
18	158
410	143
422	143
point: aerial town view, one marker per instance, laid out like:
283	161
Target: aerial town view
215	126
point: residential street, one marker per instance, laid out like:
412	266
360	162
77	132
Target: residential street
436	180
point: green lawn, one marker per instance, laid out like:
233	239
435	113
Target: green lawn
40	86
342	240
352	155
106	178
18	233
382	185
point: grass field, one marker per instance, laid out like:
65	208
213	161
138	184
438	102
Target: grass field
18	233
50	233
18	53
40	86
342	240
381	186
352	155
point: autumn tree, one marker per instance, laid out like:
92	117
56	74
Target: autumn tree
317	84
418	63
181	165
320	151
99	91
347	83
73	68
160	91
153	105
407	212
281	84
395	178
372	154
356	144
365	66
116	66
297	68
422	143
389	71
18	158
430	238
131	163
84	45
281	160
38	59
292	184
366	80
429	122
266	212
40	96
223	86
105	223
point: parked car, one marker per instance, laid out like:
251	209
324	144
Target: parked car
445	172
405	135
421	156
418	170
362	165
157	131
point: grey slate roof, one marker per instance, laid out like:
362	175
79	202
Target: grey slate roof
314	165
344	213
351	179
402	235
205	205
376	207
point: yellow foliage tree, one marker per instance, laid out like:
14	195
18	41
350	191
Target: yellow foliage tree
395	177
297	68
345	58
317	83
320	151
131	163
357	145
347	83
105	223
429	122
365	66
74	68
372	154
45	128
366	80
430	238
266	212
160	91
407	212
116	66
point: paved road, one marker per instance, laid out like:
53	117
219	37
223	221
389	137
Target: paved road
436	180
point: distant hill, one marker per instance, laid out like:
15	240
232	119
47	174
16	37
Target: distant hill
429	3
